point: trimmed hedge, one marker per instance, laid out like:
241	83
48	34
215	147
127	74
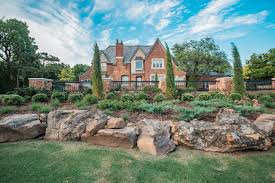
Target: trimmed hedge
40	97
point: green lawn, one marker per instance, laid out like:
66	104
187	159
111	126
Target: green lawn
42	161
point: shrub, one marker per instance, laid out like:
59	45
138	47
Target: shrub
216	95
108	112
265	98
27	98
235	96
13	99
55	103
111	96
2	99
59	96
74	97
272	95
204	96
269	105
251	96
238	80
151	90
125	117
30	91
40	97
87	91
248	109
90	99
189	114
81	105
142	96
127	97
159	98
7	109
187	97
42	108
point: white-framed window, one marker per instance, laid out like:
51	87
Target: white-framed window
160	77
139	65
157	63
124	80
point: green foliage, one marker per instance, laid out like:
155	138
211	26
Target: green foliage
235	96
81	105
151	90
272	95
125	117
261	66
269	105
40	107
204	96
189	114
97	83
108	112
87	91
90	99
30	91
265	98
141	96
12	100
216	95
80	69
170	77
201	57
187	97
40	97
55	103
74	97
7	109
248	109
127	97
111	96
238	80
59	96
67	74
159	98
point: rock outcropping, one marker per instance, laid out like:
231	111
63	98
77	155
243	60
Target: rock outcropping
21	127
155	137
266	122
72	124
230	132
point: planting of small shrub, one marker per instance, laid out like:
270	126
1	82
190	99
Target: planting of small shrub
7	109
59	96
216	95
189	114
127	97
42	108
142	96
269	105
40	97
235	96
55	103
90	99
111	96
265	98
159	98
74	97
272	95
204	96
81	105
30	91
187	97
13	99
151	90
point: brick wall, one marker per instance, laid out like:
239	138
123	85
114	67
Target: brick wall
41	83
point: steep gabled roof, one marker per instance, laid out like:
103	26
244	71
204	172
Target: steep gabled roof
128	52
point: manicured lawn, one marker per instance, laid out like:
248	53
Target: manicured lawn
42	161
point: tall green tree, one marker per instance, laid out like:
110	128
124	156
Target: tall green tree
80	69
238	80
170	77
198	58
261	66
97	83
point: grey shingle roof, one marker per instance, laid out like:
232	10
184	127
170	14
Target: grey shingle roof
128	52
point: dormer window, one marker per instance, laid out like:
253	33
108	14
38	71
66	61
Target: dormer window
139	63
157	63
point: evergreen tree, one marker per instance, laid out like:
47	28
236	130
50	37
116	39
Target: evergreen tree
170	78
238	80
97	83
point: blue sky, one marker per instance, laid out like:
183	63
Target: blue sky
68	29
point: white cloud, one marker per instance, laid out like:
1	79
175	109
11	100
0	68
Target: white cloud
229	35
105	39
163	23
103	5
132	42
56	30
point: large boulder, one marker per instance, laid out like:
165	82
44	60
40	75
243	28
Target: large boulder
230	132
70	124
266	122
20	127
125	137
116	123
155	137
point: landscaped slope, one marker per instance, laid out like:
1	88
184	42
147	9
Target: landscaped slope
42	161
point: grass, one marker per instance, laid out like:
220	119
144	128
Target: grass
44	161
42	108
7	109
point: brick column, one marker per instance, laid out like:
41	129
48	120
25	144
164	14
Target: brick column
273	84
107	84
224	84
41	83
162	86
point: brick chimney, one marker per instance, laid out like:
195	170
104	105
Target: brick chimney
119	49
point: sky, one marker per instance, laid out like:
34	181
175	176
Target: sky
69	29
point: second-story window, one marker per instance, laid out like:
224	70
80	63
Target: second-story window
157	63
139	65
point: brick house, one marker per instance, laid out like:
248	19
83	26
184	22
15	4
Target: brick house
134	63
